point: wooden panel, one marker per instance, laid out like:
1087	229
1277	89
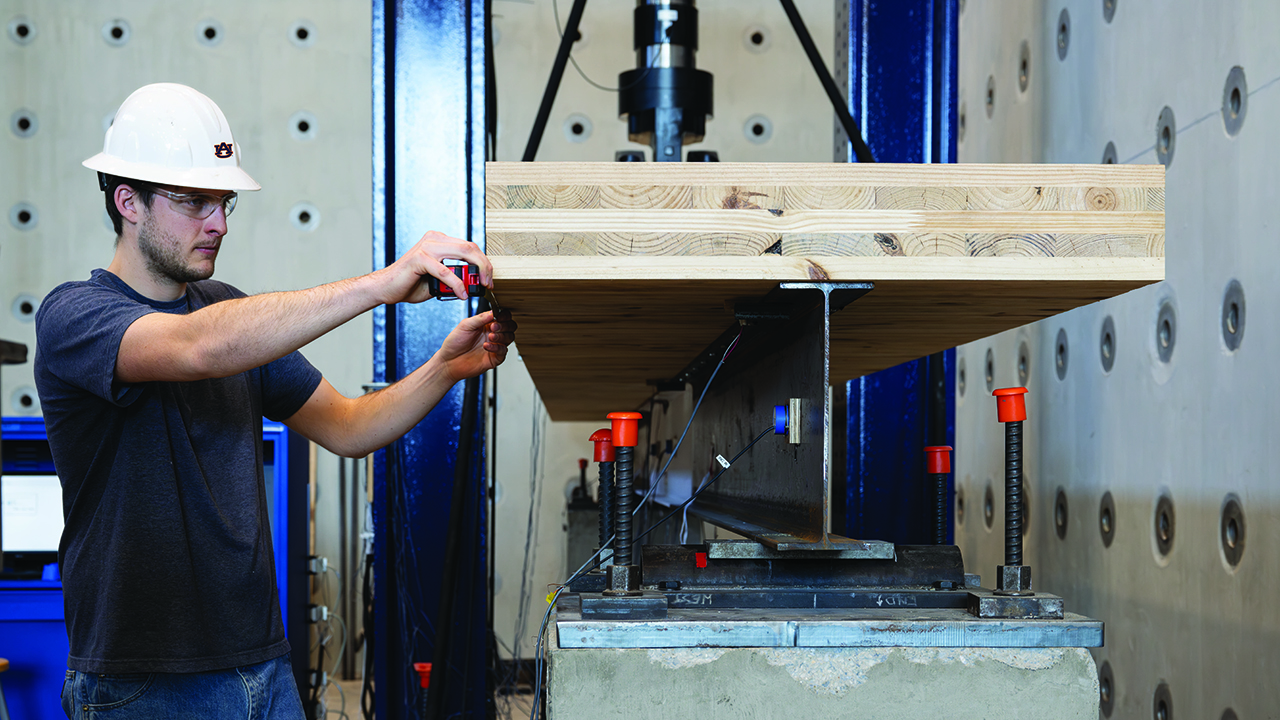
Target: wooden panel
620	273
829	209
595	330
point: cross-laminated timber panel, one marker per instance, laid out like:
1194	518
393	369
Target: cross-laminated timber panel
621	273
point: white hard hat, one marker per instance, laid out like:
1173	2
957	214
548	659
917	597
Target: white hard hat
171	134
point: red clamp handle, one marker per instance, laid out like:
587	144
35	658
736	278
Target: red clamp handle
626	428
470	276
603	438
938	459
1011	406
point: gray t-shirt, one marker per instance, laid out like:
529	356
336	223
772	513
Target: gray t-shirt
166	557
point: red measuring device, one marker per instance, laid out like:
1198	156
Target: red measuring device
470	276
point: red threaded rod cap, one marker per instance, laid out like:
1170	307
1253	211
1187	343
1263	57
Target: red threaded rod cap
1011	406
626	428
424	673
603	438
938	459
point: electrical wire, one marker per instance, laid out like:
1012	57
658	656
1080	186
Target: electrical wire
342	709
588	566
653	484
684	518
648	65
709	483
537	678
551	603
341	646
337	660
537	458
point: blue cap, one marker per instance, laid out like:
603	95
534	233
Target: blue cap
779	419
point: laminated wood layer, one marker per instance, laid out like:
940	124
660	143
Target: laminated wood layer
828	209
594	331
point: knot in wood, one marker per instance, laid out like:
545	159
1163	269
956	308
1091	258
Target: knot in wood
1100	198
889	243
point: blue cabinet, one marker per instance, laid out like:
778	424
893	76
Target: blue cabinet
33	634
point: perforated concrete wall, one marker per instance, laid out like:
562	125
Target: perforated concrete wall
1152	486
293	80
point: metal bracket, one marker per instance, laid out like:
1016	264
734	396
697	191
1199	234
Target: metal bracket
780	493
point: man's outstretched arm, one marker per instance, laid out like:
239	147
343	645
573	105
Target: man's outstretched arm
355	427
233	336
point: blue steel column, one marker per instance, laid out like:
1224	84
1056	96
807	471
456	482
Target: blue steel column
428	174
902	86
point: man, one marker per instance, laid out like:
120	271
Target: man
154	381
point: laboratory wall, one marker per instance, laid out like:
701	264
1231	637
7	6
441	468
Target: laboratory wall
1151	480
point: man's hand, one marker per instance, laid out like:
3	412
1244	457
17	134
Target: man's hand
355	427
478	343
407	279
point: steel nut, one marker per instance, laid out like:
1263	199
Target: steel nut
622	580
1013	579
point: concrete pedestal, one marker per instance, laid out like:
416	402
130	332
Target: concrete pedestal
797	683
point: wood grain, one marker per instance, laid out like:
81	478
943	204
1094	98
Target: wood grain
595	330
620	273
824	209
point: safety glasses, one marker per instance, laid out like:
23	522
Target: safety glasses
199	206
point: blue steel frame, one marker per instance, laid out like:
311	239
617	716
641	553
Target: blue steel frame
428	174
902	86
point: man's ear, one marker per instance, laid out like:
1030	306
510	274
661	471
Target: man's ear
128	204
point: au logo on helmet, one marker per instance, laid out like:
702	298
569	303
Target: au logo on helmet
222	150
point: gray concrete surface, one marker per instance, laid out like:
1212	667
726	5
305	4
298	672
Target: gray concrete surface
812	683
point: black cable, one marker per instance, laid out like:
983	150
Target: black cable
708	484
490	83
475	512
491	557
449	582
553	83
555	8
860	149
588	568
366	691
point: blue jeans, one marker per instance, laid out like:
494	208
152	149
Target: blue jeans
265	691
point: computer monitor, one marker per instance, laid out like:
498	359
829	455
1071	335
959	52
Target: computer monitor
30	515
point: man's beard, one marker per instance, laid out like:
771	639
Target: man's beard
164	261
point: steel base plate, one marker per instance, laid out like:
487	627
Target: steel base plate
951	628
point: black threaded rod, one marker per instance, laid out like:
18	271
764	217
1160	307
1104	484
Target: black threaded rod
606	504
939	507
1013	493
623	458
